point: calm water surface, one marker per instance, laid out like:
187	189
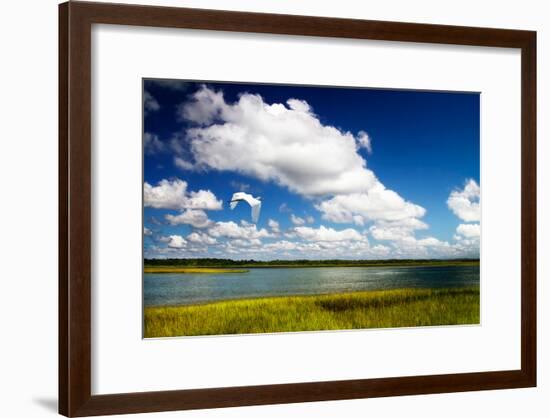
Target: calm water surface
185	289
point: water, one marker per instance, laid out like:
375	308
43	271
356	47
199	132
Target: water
185	289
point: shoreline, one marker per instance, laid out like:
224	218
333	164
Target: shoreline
314	295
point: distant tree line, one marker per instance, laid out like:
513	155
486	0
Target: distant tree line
219	262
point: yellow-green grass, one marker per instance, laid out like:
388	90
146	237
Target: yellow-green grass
356	310
176	269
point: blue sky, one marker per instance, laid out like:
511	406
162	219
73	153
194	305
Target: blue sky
341	172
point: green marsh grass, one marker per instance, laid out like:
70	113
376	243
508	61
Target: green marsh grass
356	310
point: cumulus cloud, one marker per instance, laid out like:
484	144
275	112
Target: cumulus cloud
465	247
152	144
183	164
174	195
201	238
239	242
430	242
233	230
389	233
315	249
469	230
274	226
194	217
282	245
465	203
404	243
150	104
296	220
381	250
286	144
326	234
147	231
412	247
378	204
176	241
396	230
364	141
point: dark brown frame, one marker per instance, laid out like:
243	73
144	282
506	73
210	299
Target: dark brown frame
75	22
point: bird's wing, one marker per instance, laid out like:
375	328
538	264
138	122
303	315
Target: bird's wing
256	211
235	199
248	198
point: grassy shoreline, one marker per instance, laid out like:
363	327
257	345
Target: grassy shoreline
355	310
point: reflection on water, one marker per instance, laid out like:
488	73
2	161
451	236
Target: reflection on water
183	289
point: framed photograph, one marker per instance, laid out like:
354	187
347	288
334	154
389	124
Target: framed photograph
262	216
260	209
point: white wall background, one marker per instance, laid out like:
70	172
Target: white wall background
28	211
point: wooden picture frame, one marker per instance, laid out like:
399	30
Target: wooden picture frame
75	299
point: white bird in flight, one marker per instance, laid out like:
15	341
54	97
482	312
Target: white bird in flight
254	203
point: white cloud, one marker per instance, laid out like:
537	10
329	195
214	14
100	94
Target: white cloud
281	246
152	144
322	243
207	106
326	234
194	217
431	242
364	141
381	250
176	241
274	226
396	230
232	230
239	242
183	164
377	204
411	247
324	249
465	203
296	220
201	238
299	221
147	231
469	230
174	195
286	144
389	234
466	247
150	104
